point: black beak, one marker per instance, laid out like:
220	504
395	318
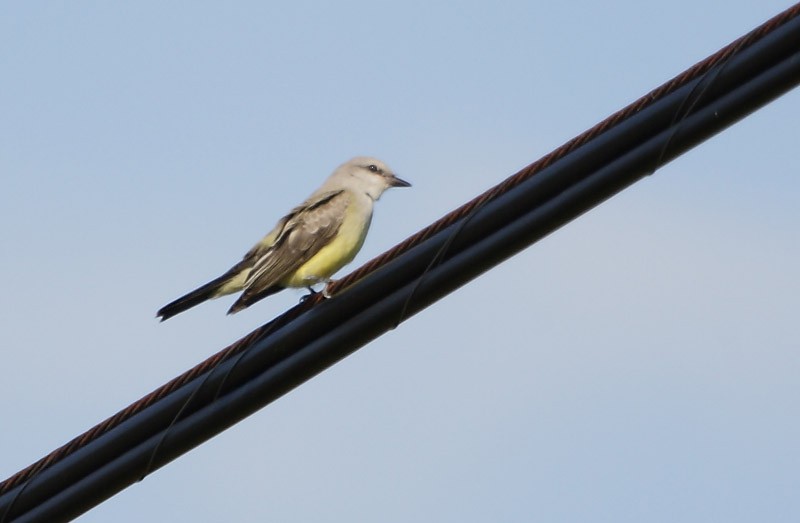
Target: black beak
394	181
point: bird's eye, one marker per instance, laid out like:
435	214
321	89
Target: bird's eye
373	168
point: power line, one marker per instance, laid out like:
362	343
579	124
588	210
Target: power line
312	336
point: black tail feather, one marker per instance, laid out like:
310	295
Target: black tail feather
247	299
196	297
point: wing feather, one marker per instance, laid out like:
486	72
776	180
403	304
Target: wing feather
307	229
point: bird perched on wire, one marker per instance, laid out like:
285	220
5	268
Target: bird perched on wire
308	245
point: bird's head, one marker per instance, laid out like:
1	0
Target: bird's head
368	175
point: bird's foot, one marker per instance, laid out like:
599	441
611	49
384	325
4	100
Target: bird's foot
311	292
326	293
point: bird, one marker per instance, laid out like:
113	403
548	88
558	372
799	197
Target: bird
308	245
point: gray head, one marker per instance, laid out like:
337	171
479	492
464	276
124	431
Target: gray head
367	175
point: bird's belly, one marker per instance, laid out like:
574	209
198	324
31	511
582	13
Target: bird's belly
338	253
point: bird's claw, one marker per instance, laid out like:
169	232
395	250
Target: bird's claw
311	292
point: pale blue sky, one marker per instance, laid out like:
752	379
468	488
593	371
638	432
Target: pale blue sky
641	364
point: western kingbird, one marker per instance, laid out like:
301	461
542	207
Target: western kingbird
308	245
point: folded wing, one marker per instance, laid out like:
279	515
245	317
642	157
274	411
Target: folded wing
307	229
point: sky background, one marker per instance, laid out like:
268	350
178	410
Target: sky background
640	364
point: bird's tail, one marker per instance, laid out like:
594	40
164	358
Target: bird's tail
247	298
212	289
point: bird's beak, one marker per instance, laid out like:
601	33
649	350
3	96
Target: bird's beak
394	181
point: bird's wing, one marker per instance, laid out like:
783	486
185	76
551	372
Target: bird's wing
306	230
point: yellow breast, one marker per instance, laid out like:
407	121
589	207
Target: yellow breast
339	252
